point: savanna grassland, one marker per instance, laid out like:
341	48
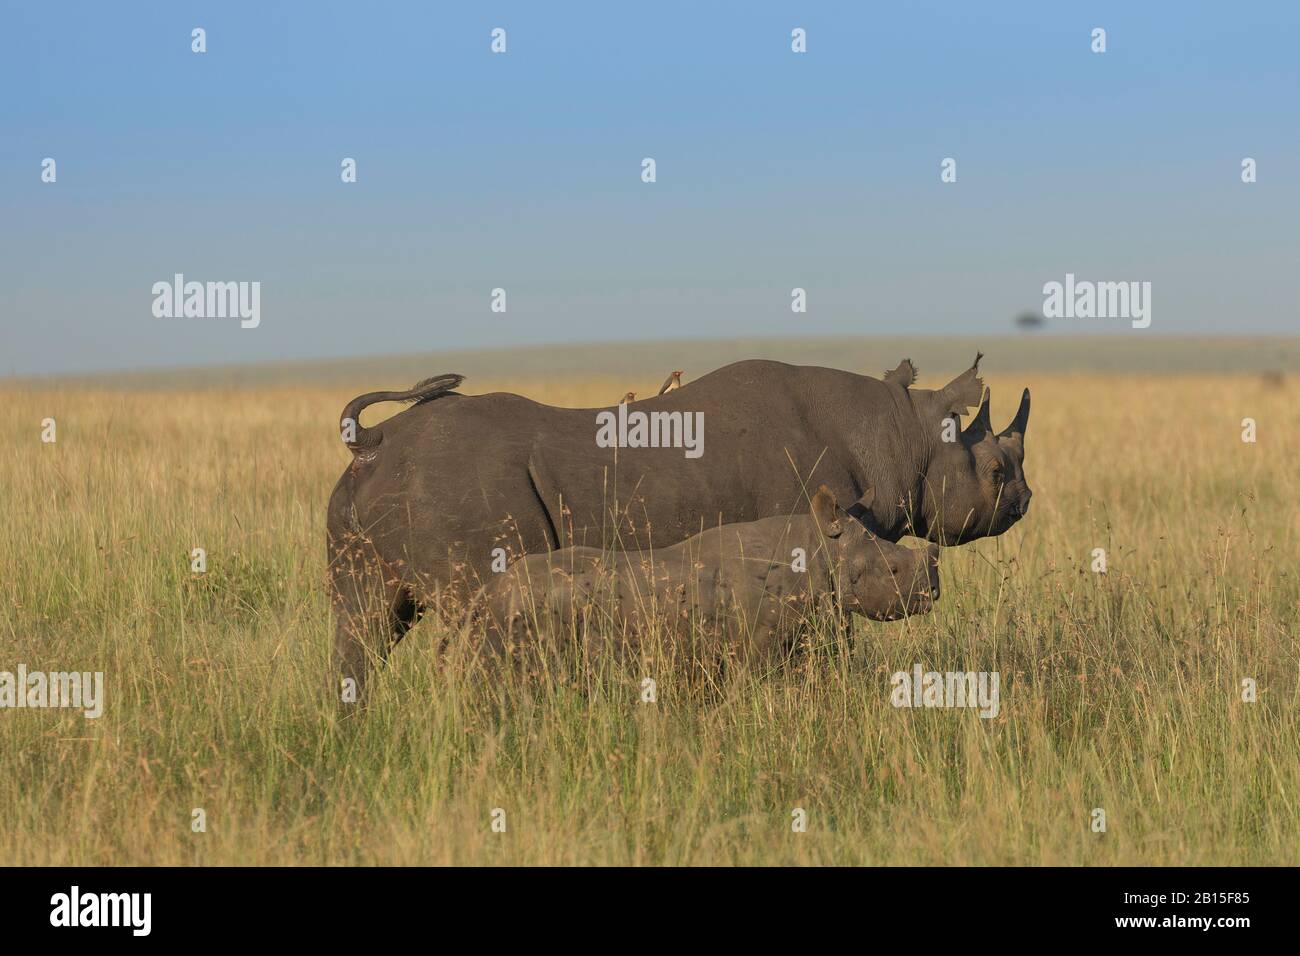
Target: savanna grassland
1119	691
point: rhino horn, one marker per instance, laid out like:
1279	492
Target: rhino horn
1018	425
981	424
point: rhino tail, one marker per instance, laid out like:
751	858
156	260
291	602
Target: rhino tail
359	438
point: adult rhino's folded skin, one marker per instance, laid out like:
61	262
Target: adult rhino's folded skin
741	591
432	491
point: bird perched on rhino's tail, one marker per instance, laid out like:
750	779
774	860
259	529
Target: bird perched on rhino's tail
671	382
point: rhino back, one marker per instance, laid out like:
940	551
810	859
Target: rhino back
770	431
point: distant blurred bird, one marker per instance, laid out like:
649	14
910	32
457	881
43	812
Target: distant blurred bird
671	382
629	397
1029	321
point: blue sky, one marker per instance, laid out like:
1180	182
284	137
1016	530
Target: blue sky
522	171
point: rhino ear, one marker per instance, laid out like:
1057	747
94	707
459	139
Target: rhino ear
904	375
826	513
965	390
980	425
1018	425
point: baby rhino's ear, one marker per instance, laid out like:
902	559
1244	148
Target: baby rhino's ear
826	513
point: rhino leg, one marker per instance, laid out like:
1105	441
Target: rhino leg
373	610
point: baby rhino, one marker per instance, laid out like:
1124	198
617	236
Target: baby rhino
741	591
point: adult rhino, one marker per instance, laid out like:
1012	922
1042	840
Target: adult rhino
432	492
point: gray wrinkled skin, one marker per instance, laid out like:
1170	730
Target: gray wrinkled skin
431	491
729	593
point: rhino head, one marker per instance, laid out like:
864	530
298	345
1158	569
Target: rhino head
879	579
975	483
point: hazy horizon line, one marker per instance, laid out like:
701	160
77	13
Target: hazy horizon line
1105	345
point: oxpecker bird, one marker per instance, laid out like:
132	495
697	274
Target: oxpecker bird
671	382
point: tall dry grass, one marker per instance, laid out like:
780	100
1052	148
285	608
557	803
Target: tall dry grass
1119	691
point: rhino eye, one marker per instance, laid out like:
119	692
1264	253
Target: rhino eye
997	473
